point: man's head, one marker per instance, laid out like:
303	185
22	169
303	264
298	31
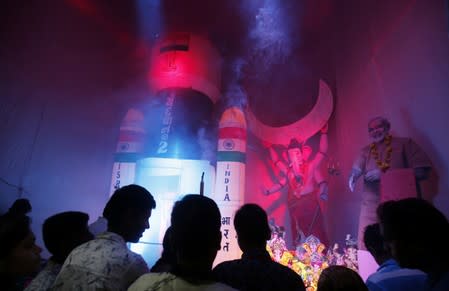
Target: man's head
195	230
251	225
409	226
374	243
128	211
65	231
378	129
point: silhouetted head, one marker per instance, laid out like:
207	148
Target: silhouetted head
195	230
416	232
340	278
378	128
19	255
21	206
128	211
374	243
65	231
251	225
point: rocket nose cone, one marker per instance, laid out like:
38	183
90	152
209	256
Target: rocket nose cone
234	117
133	119
133	115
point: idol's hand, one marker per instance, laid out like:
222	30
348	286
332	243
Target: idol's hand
351	183
325	128
355	174
265	191
373	175
324	196
324	191
266	144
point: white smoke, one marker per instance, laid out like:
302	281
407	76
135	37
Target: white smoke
270	35
207	144
234	94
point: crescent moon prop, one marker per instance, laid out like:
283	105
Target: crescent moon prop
301	129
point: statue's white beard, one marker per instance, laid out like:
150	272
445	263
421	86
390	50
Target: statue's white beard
377	138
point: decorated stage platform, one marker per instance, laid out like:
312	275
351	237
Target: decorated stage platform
311	257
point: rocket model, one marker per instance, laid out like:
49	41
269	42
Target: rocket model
129	148
230	178
184	81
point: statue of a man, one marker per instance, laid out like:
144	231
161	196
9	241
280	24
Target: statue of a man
383	154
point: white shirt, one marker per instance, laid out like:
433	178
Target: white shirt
45	279
104	263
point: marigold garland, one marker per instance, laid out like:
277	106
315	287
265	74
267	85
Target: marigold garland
383	165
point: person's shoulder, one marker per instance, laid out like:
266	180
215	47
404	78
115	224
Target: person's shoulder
373	278
363	152
285	270
401	140
147	281
220	287
44	280
148	277
228	263
410	276
78	251
287	276
134	256
227	266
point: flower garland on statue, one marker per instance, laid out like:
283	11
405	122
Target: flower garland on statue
383	165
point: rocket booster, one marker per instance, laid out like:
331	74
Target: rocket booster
230	177
184	81
129	148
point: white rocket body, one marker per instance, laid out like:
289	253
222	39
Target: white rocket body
230	178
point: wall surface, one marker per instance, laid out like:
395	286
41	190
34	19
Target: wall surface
65	85
392	59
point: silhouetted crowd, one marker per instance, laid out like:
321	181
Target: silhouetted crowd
409	242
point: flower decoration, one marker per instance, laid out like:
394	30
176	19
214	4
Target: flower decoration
382	165
308	260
